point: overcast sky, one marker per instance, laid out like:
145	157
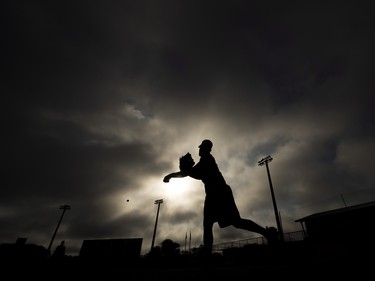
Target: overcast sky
101	98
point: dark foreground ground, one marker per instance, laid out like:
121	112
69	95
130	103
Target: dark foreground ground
292	262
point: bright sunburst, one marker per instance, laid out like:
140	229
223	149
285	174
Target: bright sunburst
178	188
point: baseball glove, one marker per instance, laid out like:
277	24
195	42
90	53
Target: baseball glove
186	162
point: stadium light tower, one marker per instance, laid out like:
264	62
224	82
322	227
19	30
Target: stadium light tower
158	202
262	162
64	208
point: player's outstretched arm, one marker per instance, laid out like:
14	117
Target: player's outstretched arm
179	174
186	164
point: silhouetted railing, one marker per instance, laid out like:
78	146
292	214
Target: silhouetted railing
288	237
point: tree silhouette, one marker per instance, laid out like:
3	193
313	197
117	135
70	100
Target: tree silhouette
170	248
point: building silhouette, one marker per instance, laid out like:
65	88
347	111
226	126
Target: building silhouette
344	225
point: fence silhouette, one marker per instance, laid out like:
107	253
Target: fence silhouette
288	237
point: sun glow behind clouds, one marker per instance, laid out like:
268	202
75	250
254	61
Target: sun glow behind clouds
177	192
178	189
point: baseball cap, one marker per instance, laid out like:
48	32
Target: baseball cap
206	143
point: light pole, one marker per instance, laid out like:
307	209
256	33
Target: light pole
64	208
262	162
158	202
